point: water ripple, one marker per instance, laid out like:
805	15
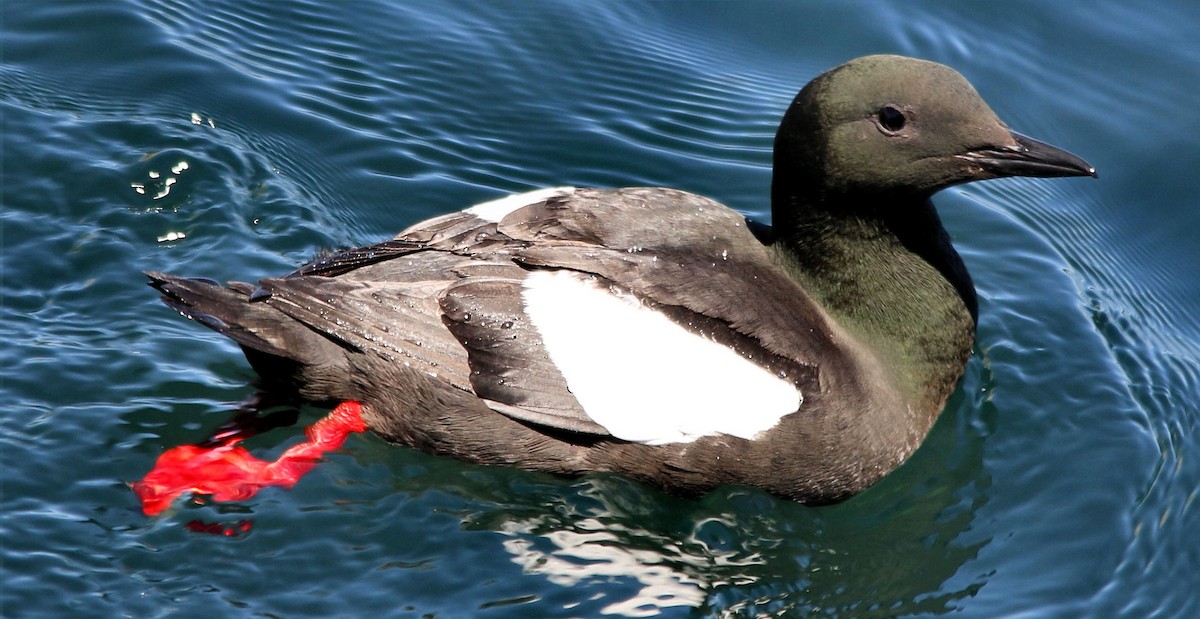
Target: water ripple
231	139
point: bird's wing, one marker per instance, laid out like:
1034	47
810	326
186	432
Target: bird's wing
681	251
648	314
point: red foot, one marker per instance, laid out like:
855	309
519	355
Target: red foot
229	473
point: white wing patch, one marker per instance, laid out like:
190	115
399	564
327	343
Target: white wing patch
495	210
642	376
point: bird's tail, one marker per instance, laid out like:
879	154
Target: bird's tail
228	310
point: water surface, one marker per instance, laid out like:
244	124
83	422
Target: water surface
234	139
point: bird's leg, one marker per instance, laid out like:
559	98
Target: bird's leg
227	472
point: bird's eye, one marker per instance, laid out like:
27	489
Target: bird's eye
891	118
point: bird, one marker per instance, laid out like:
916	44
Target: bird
658	334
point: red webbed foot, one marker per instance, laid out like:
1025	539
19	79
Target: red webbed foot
228	472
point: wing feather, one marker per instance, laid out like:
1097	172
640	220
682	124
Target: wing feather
446	294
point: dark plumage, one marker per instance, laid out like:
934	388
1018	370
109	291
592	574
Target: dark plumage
854	308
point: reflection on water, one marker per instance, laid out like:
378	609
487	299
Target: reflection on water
568	558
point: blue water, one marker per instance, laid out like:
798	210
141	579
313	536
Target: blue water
1061	480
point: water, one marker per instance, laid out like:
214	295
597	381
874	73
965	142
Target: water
1060	481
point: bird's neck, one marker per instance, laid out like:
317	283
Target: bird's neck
895	283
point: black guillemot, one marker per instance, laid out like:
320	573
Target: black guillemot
658	334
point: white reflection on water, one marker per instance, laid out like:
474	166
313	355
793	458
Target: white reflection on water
594	552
